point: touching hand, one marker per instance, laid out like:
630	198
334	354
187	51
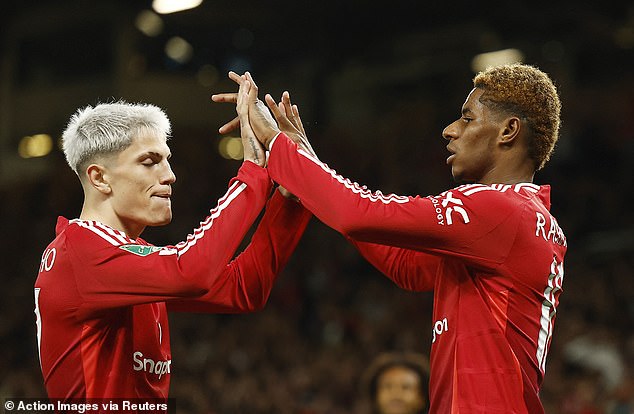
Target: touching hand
263	124
253	150
289	121
231	97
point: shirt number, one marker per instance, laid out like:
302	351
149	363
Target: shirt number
549	309
38	323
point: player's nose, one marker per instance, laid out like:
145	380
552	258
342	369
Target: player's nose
450	132
168	176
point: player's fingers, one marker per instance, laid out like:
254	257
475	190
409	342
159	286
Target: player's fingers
286	100
235	77
225	97
230	126
292	114
299	124
288	107
253	90
250	79
284	107
243	99
277	113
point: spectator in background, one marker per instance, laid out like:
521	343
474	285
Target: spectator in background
397	383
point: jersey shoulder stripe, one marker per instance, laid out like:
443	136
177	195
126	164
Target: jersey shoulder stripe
471	189
361	191
112	236
118	238
234	191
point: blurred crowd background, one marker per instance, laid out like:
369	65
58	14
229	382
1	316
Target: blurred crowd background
376	84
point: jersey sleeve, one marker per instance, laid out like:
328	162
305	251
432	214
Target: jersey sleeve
477	227
111	271
246	282
409	269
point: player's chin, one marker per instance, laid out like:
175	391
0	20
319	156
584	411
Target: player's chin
395	406
457	174
161	219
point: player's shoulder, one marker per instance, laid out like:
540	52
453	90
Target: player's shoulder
88	232
495	190
494	194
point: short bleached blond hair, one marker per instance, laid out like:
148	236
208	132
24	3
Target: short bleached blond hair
109	128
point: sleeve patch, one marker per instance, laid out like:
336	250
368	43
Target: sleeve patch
140	250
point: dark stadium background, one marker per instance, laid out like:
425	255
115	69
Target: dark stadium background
376	83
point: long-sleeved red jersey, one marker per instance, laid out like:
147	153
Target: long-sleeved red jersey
493	255
101	298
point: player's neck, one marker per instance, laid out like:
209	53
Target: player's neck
108	217
506	180
508	174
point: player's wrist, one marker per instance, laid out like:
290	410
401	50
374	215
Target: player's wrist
269	143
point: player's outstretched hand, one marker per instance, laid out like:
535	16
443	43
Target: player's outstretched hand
253	149
290	113
230	97
292	126
260	119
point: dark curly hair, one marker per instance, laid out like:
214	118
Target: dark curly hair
413	361
527	92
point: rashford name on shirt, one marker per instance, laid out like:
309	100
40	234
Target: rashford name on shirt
547	227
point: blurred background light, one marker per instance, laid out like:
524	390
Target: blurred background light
499	57
230	148
179	49
149	23
33	146
172	6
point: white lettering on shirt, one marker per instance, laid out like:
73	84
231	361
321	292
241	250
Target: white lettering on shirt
440	326
48	259
445	208
159	368
554	232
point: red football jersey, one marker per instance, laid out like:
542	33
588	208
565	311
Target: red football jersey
101	298
493	255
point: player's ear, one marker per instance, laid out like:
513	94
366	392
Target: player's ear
98	179
510	130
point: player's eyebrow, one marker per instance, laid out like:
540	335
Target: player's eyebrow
154	154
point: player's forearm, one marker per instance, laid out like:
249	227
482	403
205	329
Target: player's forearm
400	265
272	245
211	246
245	284
138	273
338	202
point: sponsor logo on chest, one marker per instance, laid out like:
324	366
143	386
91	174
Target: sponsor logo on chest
151	366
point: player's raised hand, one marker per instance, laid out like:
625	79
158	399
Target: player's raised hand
261	120
293	129
253	149
291	111
230	97
292	114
